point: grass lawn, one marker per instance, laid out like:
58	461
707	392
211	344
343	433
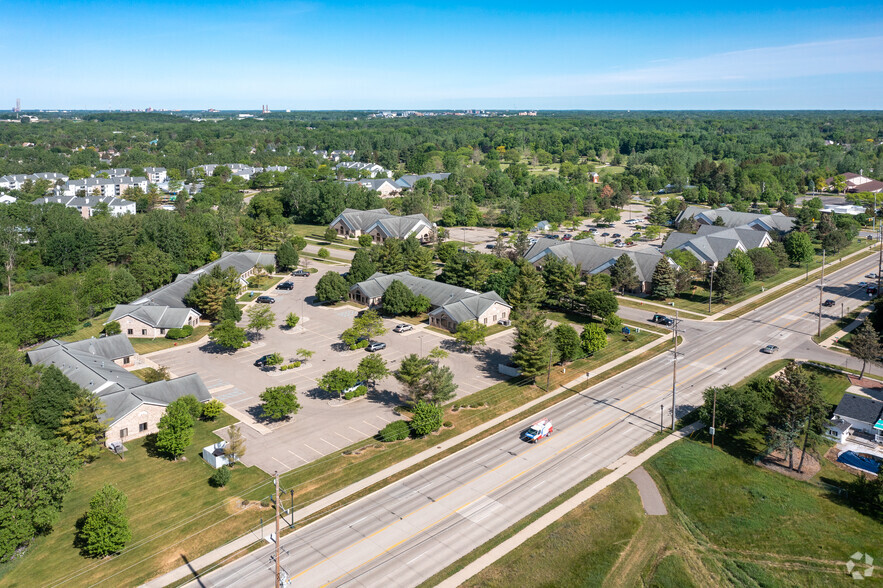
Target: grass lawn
343	246
642	304
840	324
171	511
143	346
263	283
316	231
96	325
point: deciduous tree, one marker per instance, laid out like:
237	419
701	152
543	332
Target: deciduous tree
470	334
228	335
331	287
592	339
105	527
279	402
865	345
567	342
260	318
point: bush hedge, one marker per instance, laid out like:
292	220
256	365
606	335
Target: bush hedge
290	366
181	333
221	477
360	391
360	344
395	431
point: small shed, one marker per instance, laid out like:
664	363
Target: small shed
214	455
543	225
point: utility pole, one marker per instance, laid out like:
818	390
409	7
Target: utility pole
713	414
276	476
674	377
821	292
549	373
710	289
880	263
661	417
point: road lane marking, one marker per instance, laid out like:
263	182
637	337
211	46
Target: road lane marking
283	464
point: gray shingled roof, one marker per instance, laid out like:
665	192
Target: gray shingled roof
859	408
120	391
438	293
775	221
408	180
80	201
160	317
398	227
470	308
592	258
713	243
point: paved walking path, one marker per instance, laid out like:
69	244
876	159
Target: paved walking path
650	496
622	467
235	545
848	328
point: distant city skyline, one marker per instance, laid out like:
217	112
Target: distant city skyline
439	56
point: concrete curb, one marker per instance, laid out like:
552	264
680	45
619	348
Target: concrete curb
235	545
622	468
827	343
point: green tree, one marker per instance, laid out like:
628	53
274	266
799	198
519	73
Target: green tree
743	265
412	370
799	247
189	403
212	409
739	408
764	261
208	293
592	339
426	418
175	431
389	257
470	334
561	279
235	448
365	240
865	345
567	342
260	318
338	380
370	324
279	402
372	368
438	384
81	425
419	263
323	253
398	299
51	400
601	303
330	234
331	288
221	477
287	257
533	343
363	266
18	381
728	281
230	310
112	328
291	320
798	409
105	527
623	274
228	335
664	280
36	475
529	290
612	323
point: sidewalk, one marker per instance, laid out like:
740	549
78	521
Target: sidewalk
235	545
621	468
827	343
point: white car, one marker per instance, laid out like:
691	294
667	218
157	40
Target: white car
403	328
872	276
631	221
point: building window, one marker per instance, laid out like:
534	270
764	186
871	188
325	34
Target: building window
162	331
485	320
124	433
127	360
143	331
142	427
130	331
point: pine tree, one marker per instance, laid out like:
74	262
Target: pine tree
390	259
529	290
51	400
105	527
532	343
420	263
623	274
363	266
664	280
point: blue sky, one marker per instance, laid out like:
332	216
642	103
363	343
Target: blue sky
431	55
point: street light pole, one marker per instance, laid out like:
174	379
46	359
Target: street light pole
549	373
821	292
276	476
713	414
674	377
710	289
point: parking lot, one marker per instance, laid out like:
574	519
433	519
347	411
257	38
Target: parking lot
323	424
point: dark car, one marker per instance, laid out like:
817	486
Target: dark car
489	246
301	274
605	234
376	346
828	302
265	300
504	234
285	286
553	236
617	235
662	320
262	361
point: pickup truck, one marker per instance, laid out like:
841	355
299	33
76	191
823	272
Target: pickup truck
539	430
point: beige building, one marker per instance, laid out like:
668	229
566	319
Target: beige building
382	225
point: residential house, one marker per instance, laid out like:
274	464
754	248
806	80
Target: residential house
858	183
117	172
87	204
382	225
320	153
712	244
17	181
591	258
730	218
850	209
594	177
542	226
372	169
341	153
7	199
154	313
450	304
858	417
156	175
102	186
407	181
384	186
132	407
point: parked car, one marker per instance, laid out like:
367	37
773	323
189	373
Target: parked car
285	286
620	244
300	273
605	234
376	346
553	236
631	221
262	361
504	234
769	349
662	320
617	241
617	235
828	302
504	322
568	237
265	300
403	328
862	284
593	230
489	246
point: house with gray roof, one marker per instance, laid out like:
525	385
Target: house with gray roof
372	169
858	416
383	186
591	258
115	186
382	225
132	407
17	181
154	313
451	305
87	204
407	181
731	219
712	244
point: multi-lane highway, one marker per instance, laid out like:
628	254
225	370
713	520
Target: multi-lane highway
406	532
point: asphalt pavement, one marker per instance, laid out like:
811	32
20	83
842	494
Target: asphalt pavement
413	528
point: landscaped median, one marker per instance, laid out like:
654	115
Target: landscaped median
337	480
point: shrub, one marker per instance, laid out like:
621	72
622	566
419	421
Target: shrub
275	359
188	330
211	409
112	328
290	366
359	344
360	391
323	253
366	240
630	337
221	477
395	431
175	334
265	503
447	424
427	418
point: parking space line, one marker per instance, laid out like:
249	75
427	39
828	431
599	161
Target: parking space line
342	437
314	449
329	443
297	456
385	420
360	432
283	465
369	424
